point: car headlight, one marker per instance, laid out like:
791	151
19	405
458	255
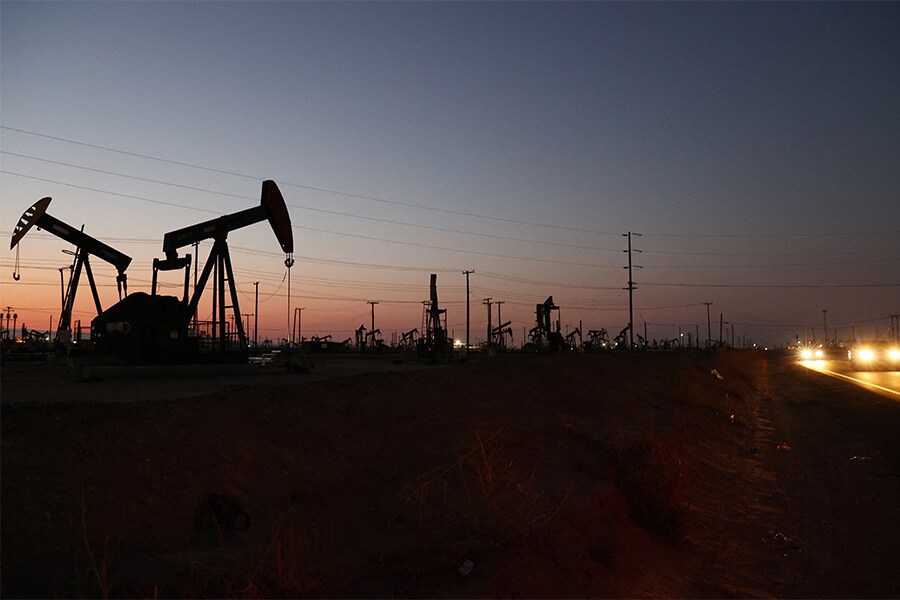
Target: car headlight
806	354
894	354
819	353
866	354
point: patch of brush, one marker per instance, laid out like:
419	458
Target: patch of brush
649	474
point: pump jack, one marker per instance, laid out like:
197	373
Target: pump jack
377	344
156	328
544	333
597	340
409	339
620	342
570	339
271	208
434	342
500	332
37	216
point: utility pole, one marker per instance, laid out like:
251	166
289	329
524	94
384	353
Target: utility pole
373	303
255	316
300	326
721	316
500	319
288	263
247	320
196	308
630	289
895	324
467	273
298	315
487	301
825	324
708	325
62	288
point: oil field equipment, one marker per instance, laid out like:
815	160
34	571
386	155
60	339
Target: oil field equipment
85	246
361	338
158	328
570	339
409	339
434	343
374	341
621	341
597	339
545	334
499	333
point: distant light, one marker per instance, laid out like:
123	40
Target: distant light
458	343
894	354
866	354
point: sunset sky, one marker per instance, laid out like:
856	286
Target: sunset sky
754	146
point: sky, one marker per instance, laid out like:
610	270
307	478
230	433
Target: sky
755	147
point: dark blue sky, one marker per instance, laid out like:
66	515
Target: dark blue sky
774	125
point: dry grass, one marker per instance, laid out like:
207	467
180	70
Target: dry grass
481	501
94	578
649	475
297	563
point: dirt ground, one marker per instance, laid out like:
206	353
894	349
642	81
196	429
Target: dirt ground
658	475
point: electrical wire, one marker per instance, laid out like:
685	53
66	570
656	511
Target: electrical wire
314	209
316	188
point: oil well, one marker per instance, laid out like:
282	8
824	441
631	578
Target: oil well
545	335
85	247
143	327
153	328
434	342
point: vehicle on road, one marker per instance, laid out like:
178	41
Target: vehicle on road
812	353
874	356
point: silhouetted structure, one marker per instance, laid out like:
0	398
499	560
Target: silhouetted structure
546	335
37	216
434	343
157	328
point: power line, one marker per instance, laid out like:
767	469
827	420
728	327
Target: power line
90	189
549	284
774	286
327	231
312	209
431	208
771	235
672	252
791	253
310	187
459	250
771	265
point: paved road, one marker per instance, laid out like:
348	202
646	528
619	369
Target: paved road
837	483
885	383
